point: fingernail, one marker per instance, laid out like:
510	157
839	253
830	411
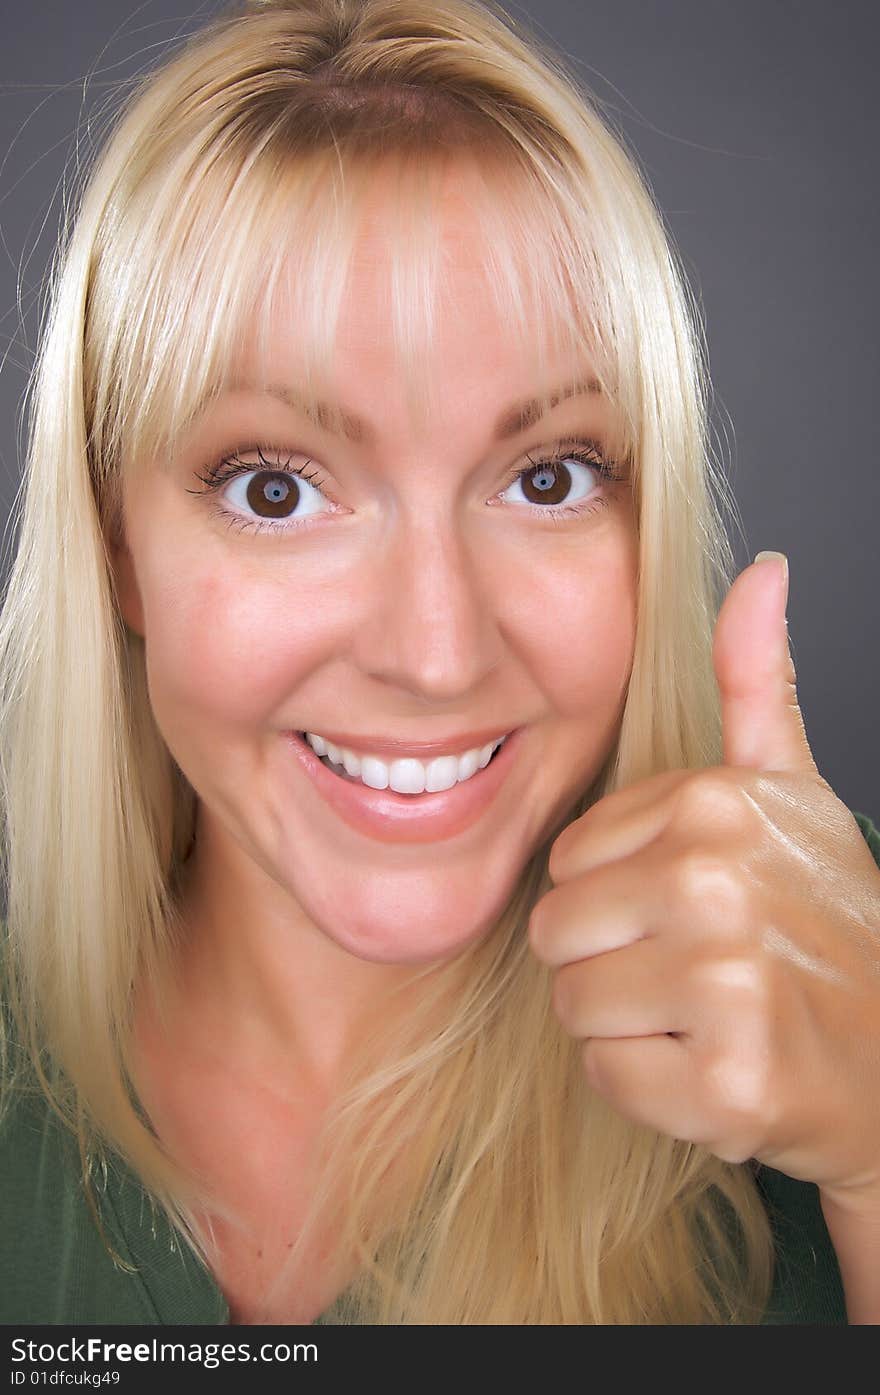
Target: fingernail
777	557
764	556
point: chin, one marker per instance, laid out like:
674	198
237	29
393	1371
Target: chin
408	948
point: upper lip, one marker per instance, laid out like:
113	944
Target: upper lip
395	747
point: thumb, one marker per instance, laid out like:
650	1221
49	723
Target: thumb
761	720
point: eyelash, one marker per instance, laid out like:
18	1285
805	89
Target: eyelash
229	466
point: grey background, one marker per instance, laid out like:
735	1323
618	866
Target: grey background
757	124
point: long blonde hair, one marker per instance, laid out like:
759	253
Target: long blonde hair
524	1197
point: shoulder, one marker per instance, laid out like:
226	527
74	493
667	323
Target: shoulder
62	1264
55	1266
47	1255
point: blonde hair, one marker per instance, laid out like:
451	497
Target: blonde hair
524	1197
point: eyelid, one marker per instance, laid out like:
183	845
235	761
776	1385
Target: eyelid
284	455
233	455
585	445
586	449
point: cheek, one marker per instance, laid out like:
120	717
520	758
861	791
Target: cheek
579	617
224	651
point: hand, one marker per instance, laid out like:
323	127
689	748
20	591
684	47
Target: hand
715	933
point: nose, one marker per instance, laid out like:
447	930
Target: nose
427	614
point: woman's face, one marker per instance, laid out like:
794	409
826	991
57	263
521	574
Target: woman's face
411	591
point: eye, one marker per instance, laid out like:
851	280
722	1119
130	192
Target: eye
560	483
266	495
276	496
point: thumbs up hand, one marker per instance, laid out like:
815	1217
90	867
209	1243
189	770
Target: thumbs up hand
715	934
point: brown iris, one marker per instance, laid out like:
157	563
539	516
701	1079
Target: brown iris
273	493
543	484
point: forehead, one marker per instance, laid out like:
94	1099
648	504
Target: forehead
464	349
404	289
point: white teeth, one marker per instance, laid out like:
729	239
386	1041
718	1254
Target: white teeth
351	762
406	776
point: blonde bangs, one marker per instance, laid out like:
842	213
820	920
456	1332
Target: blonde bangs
252	227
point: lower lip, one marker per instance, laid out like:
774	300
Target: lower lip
409	818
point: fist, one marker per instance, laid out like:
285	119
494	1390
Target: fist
715	934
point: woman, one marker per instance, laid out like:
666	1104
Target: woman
432	909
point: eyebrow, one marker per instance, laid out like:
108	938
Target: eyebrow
336	421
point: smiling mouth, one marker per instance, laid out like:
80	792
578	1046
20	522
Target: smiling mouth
394	816
343	774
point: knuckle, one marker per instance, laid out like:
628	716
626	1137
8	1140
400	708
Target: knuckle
731	976
711	797
736	1084
702	875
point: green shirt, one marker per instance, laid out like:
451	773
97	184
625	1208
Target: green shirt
55	1269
